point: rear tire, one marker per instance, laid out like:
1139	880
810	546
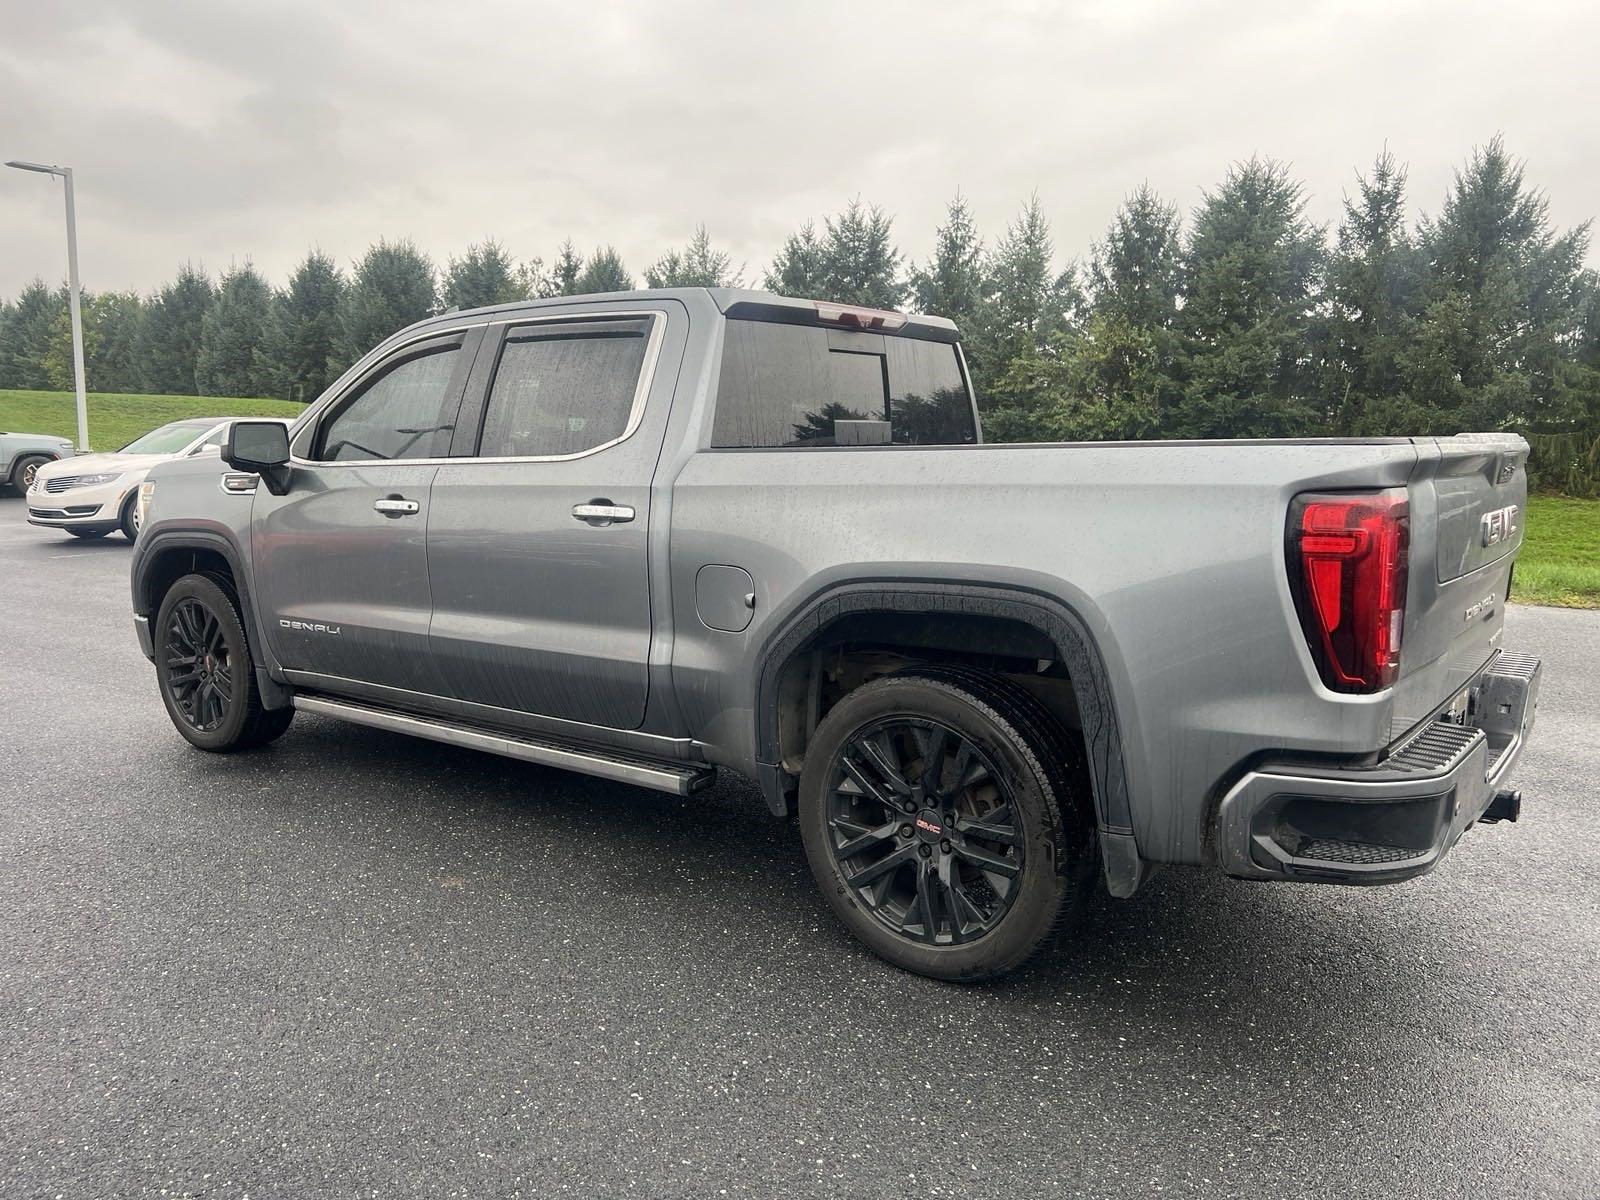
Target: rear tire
206	672
965	871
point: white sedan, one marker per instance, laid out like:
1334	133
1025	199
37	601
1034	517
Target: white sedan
95	494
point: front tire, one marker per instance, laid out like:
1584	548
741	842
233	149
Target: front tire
206	673
947	819
129	518
23	472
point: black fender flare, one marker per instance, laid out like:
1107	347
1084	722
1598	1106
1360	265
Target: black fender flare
155	544
1064	628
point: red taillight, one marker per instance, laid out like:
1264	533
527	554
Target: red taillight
1349	554
861	318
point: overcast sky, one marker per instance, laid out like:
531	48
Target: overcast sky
217	132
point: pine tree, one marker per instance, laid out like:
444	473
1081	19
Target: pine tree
1025	331
1374	279
566	270
604	272
1254	266
485	275
1125	369
392	287
696	265
58	359
26	335
1504	306
302	342
1032	301
117	319
798	269
860	264
1108	380
169	345
7	315
1136	270
230	361
953	283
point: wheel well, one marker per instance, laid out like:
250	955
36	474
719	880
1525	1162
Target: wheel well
171	565
860	647
853	632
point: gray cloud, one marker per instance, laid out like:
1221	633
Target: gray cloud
214	132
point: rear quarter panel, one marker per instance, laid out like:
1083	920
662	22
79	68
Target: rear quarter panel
1172	554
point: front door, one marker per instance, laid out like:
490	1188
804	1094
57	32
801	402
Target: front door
538	541
340	560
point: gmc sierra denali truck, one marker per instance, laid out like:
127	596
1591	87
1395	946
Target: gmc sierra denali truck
650	534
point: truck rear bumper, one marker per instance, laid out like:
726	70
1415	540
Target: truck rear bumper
1391	820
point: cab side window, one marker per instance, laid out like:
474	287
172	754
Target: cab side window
407	411
560	390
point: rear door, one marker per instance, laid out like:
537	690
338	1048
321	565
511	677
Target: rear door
340	560
538	538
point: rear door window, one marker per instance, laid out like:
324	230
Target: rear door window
804	386
560	390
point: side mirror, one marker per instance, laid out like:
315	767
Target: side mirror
261	447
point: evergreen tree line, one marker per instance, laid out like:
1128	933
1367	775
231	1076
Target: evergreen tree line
1242	318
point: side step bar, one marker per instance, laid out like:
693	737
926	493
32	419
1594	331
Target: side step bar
679	779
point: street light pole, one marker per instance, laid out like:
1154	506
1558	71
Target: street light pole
72	279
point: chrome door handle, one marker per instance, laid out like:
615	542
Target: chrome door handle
602	512
396	506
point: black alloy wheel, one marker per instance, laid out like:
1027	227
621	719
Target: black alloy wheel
923	830
949	821
198	665
205	670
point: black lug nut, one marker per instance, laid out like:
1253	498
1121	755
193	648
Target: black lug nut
945	845
924	850
905	831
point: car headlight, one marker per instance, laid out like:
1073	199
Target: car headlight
147	492
95	480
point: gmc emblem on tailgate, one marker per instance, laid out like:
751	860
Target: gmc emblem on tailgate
1498	525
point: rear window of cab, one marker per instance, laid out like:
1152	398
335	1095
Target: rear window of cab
801	386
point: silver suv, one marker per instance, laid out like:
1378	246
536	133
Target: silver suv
22	454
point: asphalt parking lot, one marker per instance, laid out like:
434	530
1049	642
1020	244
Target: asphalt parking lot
358	964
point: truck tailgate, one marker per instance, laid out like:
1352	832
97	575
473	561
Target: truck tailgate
1468	499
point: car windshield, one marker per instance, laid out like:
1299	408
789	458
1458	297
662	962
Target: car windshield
169	439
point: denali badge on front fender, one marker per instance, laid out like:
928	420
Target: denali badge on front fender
1498	525
308	626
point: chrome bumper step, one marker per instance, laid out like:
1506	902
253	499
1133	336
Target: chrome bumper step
680	779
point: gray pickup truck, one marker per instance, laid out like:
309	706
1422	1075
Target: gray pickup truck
646	535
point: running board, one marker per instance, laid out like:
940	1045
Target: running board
679	779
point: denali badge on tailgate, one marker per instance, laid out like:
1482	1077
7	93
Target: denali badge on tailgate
1498	525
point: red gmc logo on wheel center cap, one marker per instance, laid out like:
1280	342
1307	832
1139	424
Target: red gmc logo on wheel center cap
924	823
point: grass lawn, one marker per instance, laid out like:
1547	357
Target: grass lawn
1560	558
115	420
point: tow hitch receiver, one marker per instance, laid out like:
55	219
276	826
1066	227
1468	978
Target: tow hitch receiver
1506	806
